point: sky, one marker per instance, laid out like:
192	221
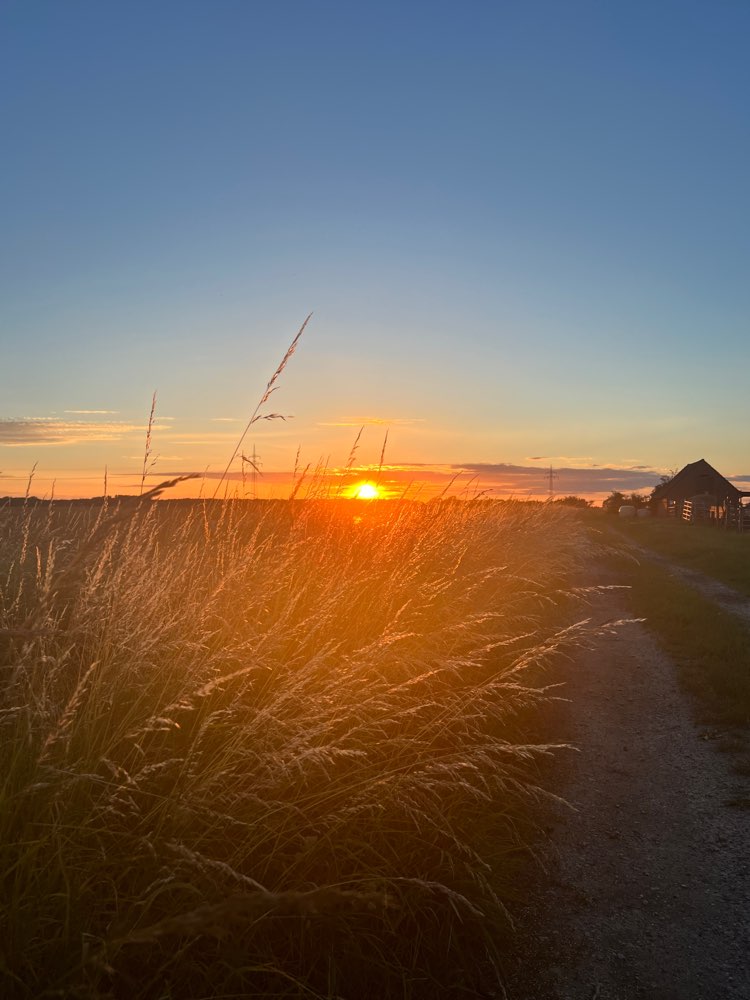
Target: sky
521	228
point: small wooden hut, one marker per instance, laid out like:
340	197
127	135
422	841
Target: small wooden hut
698	490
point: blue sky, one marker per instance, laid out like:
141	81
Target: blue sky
523	230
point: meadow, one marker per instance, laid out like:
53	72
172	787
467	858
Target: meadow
281	748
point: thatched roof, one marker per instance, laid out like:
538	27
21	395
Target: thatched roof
697	477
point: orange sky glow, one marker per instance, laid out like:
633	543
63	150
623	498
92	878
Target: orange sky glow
414	482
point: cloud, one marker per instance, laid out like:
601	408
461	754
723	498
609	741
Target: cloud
283	478
198	437
568	479
225	420
586	460
421	481
372	421
89	412
158	457
22	431
502	479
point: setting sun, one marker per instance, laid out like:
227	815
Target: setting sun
366	491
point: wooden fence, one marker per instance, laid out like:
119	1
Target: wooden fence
730	514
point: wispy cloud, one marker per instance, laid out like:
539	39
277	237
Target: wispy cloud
158	457
586	460
376	421
225	420
94	412
198	437
24	431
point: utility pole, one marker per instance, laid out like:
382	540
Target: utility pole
551	477
255	464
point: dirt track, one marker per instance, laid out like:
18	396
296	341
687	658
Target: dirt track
647	891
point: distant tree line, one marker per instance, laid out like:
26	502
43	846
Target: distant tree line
573	501
616	499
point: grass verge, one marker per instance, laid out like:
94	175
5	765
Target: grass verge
723	555
710	646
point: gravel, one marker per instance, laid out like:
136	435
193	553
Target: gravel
646	892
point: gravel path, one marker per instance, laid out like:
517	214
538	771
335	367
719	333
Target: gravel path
647	889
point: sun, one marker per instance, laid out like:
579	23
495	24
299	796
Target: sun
366	491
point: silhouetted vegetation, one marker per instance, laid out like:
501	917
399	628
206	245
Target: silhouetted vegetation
616	499
573	501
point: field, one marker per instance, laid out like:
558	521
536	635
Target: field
273	748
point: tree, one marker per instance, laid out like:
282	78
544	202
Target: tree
613	502
616	499
573	501
663	481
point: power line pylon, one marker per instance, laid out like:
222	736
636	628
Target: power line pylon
551	477
255	466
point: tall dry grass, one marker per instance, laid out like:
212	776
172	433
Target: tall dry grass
270	749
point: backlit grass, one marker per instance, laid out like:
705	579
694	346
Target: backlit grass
278	749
